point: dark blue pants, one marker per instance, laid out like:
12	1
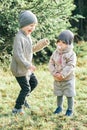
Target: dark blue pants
27	86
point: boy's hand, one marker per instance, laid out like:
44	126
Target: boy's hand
46	41
32	68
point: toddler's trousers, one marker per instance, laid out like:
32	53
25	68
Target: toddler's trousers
70	102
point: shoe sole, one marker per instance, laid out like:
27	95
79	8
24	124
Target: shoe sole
17	112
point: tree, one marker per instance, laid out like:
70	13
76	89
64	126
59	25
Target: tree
81	8
53	16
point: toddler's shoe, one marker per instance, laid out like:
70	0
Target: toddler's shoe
18	111
26	104
69	113
58	110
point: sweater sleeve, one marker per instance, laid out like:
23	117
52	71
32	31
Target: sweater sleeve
40	45
18	53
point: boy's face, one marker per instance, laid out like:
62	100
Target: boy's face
29	28
61	45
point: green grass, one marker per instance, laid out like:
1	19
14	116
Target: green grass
40	116
43	102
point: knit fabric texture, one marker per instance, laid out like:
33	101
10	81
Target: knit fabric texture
27	17
66	36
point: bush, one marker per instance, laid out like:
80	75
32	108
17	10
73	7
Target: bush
52	16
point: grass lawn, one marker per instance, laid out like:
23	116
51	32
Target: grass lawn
42	101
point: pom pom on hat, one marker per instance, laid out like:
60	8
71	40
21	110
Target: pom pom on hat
27	17
66	36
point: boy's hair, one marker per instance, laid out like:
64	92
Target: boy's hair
66	36
27	17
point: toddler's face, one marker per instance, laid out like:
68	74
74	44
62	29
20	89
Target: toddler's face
29	29
61	45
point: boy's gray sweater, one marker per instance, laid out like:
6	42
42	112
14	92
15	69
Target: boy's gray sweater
23	53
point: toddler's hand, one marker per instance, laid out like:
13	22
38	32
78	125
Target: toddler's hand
58	77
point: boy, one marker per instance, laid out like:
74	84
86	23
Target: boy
62	67
21	66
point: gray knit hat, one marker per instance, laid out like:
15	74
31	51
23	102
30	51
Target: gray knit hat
66	36
27	17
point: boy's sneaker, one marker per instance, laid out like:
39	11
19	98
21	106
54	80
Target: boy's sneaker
18	111
58	110
69	113
26	104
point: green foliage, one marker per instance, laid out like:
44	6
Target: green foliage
81	49
53	17
9	10
43	102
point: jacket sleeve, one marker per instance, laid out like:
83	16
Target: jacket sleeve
70	66
40	45
51	65
19	55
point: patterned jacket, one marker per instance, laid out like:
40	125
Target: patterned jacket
63	62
